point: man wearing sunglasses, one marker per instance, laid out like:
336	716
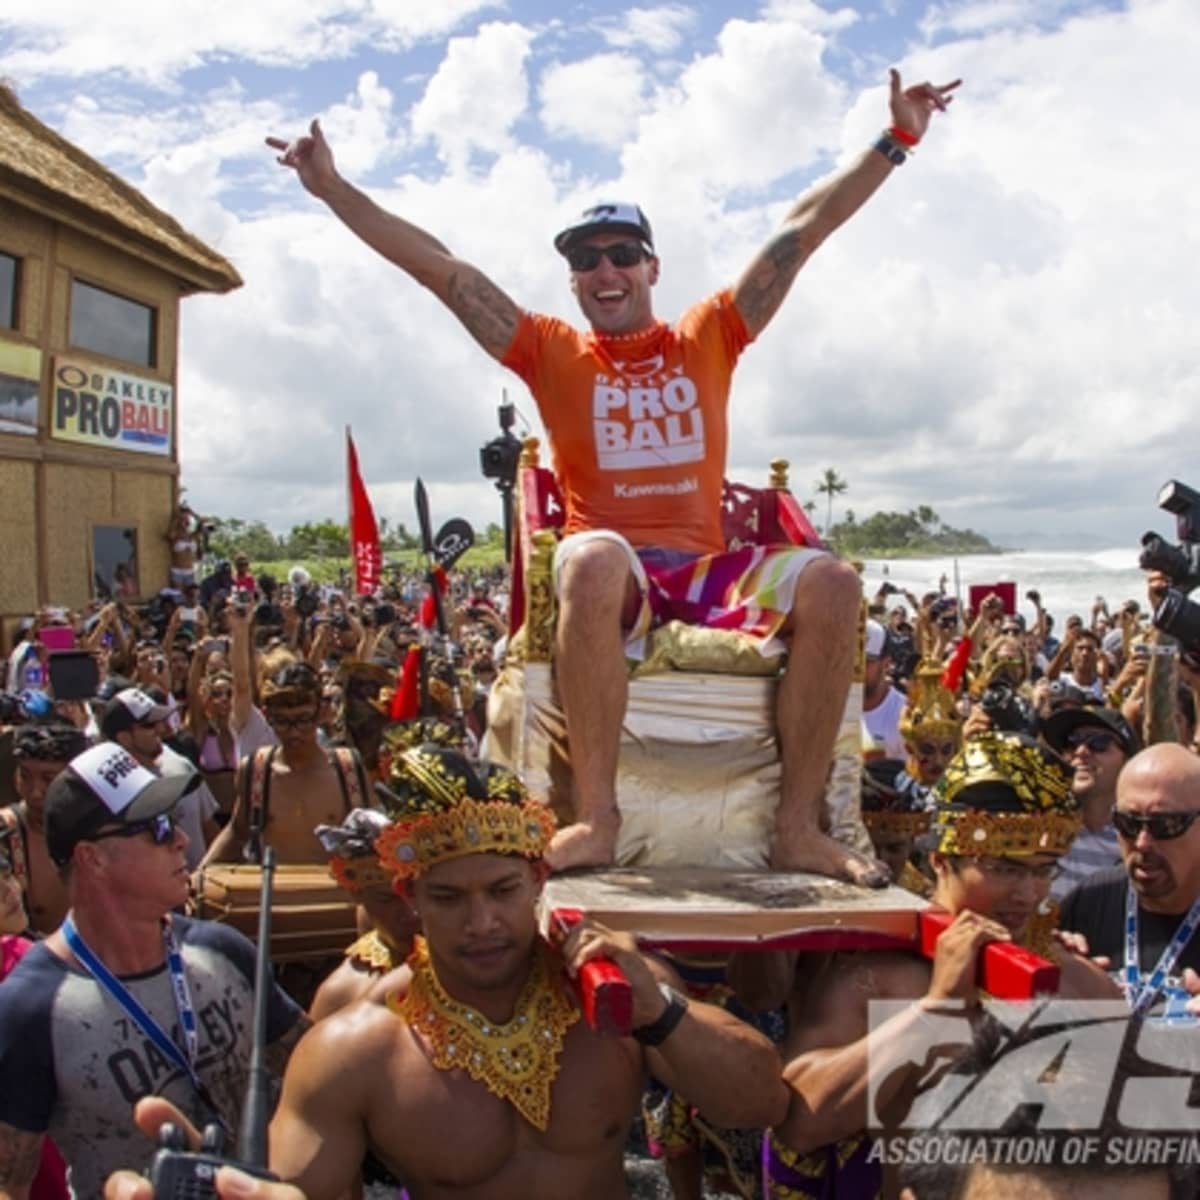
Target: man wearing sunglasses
124	999
1140	917
133	721
637	412
1097	742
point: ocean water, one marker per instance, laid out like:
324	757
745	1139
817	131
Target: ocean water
1069	581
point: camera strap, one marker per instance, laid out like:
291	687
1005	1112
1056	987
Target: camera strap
1142	995
140	1017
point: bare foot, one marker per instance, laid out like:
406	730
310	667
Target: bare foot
584	844
811	850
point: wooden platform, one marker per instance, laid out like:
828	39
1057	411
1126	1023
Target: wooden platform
710	908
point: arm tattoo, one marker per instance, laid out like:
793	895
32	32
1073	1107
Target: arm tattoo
20	1153
766	283
488	314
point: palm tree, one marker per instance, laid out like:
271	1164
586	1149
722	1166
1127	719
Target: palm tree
830	484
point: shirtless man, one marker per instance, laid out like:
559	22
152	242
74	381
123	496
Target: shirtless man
41	751
287	791
626	501
1016	794
484	1081
374	967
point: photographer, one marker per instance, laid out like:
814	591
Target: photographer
1081	648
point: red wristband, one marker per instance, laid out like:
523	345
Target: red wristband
903	136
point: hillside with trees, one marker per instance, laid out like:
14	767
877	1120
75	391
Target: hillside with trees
913	534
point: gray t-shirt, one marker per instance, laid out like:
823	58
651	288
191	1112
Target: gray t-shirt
73	1064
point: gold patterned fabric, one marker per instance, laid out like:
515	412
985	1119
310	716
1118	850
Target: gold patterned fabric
375	953
447	807
517	1061
1004	794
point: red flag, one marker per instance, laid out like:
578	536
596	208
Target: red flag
428	613
364	533
406	703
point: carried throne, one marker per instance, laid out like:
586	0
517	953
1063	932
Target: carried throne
699	770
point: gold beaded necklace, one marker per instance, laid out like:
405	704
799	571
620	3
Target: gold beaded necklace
516	1061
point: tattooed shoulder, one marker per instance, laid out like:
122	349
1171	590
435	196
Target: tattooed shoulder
489	315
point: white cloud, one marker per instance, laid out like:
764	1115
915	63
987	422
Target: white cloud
1005	332
660	29
153	43
478	92
595	100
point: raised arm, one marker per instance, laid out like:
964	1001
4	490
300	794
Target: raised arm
829	204
488	315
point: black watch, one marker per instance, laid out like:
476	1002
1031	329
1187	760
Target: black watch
658	1031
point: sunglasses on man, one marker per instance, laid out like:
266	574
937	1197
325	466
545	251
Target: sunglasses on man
161	829
623	254
1097	743
1161	826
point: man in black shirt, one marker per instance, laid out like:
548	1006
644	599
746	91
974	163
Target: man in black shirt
1158	802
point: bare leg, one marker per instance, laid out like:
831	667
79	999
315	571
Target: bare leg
685	1173
589	666
812	695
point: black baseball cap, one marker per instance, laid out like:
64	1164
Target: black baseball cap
106	785
613	217
1058	725
128	708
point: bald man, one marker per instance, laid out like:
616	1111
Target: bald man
1157	887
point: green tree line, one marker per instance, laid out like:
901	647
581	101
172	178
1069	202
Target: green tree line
312	540
916	532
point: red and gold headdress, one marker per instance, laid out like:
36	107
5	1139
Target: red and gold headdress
446	807
1005	794
353	860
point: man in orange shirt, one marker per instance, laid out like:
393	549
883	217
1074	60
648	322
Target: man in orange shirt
636	411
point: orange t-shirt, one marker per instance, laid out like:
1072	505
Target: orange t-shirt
637	422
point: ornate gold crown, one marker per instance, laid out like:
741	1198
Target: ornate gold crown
1004	794
888	810
360	874
447	808
931	711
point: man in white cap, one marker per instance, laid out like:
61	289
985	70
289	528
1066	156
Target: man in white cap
135	722
124	999
637	413
882	703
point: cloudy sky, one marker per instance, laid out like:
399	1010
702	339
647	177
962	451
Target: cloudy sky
1007	332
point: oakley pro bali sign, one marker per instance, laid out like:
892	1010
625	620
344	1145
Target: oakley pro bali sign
1052	1067
99	407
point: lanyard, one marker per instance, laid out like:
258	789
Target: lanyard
148	1025
1142	995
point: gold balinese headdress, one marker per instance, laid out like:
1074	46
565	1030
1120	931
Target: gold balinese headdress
931	711
446	807
1004	794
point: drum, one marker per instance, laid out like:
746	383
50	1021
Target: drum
311	917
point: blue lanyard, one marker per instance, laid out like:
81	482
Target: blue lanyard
144	1021
1141	996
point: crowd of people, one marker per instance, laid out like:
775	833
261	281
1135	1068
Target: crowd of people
447	1047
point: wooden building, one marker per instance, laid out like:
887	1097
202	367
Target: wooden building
91	276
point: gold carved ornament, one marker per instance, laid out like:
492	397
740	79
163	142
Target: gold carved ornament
517	1061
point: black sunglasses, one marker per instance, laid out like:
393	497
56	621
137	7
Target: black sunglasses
1162	827
623	254
1097	743
160	828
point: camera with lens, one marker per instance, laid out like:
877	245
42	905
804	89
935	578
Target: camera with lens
1175	614
1005	709
498	459
306	600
